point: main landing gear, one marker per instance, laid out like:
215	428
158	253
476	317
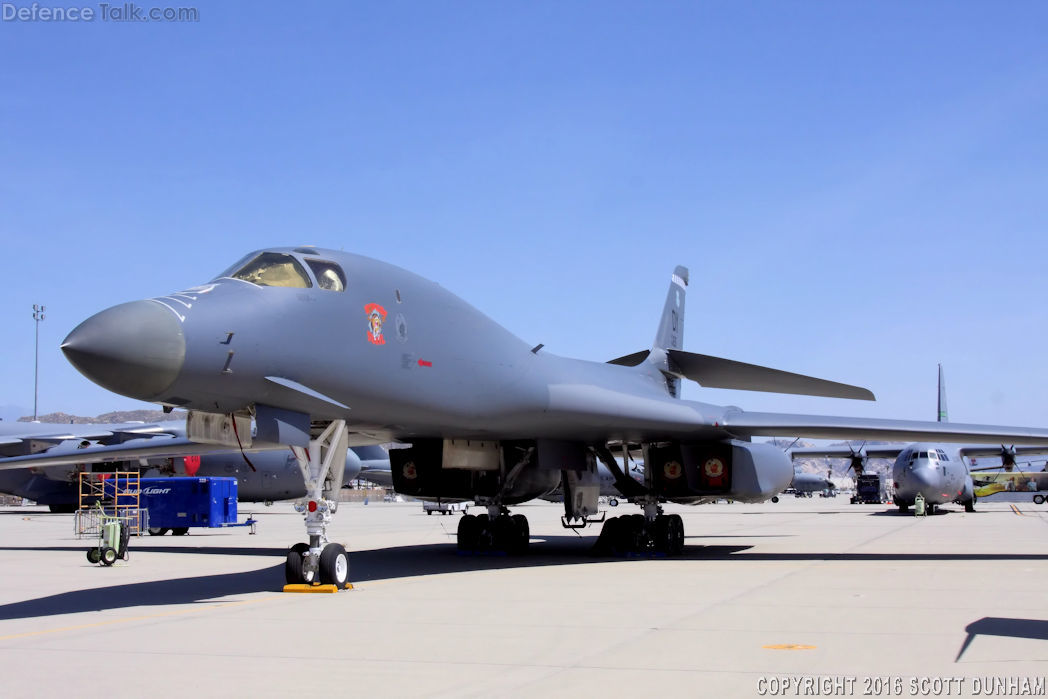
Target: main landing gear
651	532
322	465
495	531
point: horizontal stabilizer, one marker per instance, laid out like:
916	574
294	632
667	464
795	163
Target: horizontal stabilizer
715	372
631	359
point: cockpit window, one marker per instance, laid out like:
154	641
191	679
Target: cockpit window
329	275
239	263
273	269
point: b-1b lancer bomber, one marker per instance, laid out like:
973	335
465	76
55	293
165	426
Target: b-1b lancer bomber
326	348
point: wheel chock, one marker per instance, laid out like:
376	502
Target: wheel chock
317	587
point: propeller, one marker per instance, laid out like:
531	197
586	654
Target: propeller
1008	457
858	458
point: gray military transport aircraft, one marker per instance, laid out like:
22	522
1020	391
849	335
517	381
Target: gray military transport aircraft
940	473
808	483
324	348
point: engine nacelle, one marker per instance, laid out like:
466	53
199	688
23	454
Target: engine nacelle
707	471
421	471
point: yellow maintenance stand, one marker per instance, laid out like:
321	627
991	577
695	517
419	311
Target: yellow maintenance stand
118	494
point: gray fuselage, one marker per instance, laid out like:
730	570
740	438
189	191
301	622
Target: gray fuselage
936	471
436	368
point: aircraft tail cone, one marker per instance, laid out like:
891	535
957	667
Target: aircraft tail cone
135	349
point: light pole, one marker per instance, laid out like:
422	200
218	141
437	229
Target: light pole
38	315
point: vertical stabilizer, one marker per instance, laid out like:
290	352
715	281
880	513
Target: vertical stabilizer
943	417
671	325
670	335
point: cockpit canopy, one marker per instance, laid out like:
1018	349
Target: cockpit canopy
926	453
282	269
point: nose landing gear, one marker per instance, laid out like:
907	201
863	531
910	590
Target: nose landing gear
322	465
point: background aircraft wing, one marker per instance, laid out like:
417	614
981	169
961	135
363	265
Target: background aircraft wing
873	451
31	438
744	424
979	450
70	453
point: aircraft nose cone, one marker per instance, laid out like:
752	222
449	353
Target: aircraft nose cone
136	349
924	478
919	480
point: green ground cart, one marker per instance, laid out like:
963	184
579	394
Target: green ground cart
113	535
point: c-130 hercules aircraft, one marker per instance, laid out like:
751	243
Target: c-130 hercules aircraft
325	348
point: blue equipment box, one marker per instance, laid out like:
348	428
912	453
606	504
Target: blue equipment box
189	502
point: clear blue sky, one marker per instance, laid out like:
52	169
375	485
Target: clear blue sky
859	188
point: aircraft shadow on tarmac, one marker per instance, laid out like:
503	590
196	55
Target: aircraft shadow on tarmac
398	562
155	592
895	513
997	626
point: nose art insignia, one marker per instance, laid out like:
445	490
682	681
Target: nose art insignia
376	317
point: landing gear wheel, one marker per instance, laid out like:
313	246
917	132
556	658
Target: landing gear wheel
969	506
623	535
607	541
468	530
523	534
636	534
293	569
676	535
1038	499
180	531
94	555
669	534
484	536
108	556
334	565
158	531
662	534
504	534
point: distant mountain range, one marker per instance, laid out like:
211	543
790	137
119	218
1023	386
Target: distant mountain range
109	418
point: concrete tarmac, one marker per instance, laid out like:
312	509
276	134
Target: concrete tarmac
806	597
